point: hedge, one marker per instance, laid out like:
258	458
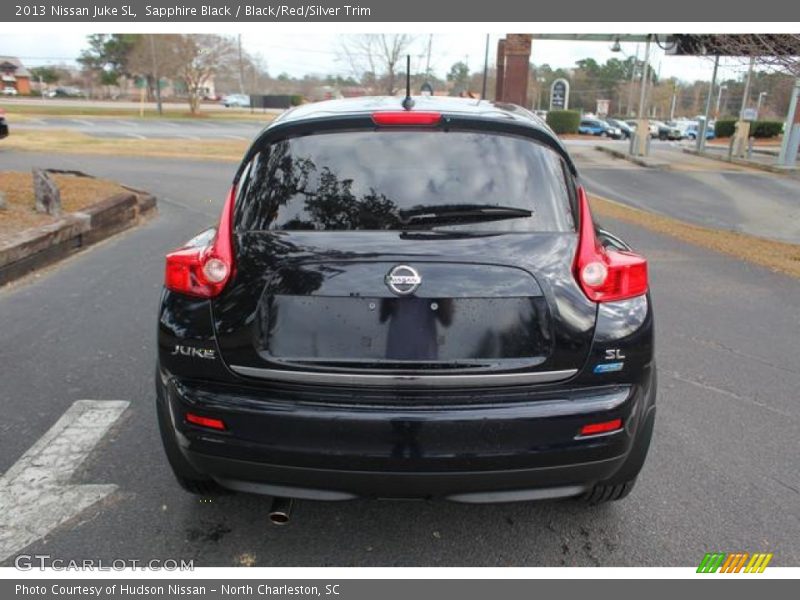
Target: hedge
758	129
564	121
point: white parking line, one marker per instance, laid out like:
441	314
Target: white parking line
36	495
233	137
83	122
136	135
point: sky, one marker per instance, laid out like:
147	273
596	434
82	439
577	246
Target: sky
320	53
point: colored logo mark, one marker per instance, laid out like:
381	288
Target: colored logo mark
734	562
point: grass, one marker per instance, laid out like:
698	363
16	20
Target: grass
20	213
177	111
61	141
782	257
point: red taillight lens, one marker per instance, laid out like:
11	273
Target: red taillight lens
605	275
204	271
406	117
604	427
205	422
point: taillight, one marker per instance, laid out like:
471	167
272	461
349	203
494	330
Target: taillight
605	275
599	428
203	271
205	421
400	118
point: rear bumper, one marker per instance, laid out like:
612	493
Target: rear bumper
503	451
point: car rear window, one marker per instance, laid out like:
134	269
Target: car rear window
405	180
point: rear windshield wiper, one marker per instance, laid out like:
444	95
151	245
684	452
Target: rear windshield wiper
456	213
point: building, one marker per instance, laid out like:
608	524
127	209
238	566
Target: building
14	74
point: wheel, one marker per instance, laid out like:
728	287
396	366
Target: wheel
602	493
189	478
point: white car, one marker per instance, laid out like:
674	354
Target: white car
9	91
236	100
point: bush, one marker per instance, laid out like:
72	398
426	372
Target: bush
724	128
296	100
766	129
564	121
758	129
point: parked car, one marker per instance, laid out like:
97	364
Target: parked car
694	130
236	100
652	127
626	131
9	91
3	124
666	131
598	127
66	92
410	304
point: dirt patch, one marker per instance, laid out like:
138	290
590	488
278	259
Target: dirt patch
63	141
778	256
76	193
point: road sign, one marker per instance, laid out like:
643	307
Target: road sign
559	95
749	114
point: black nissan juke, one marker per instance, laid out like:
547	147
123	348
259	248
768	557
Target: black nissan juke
407	302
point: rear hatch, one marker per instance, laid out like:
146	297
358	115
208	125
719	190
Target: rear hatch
411	257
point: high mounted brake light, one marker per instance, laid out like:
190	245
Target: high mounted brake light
605	275
203	271
402	118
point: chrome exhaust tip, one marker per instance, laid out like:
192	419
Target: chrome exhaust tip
281	511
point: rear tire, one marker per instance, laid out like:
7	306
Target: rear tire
189	478
602	493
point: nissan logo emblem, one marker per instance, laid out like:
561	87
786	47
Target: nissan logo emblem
403	280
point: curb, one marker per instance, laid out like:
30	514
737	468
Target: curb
791	171
637	160
42	246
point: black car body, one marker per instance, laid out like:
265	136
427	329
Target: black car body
407	304
3	125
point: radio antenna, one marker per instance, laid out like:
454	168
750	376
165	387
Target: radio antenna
408	101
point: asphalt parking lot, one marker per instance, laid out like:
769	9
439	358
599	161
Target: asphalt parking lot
722	474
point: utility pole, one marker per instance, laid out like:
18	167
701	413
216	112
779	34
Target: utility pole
743	127
428	59
722	88
485	67
642	122
758	105
633	80
155	73
701	134
674	99
241	65
791	133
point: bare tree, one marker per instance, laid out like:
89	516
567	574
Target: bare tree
377	54
778	52
192	60
198	58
